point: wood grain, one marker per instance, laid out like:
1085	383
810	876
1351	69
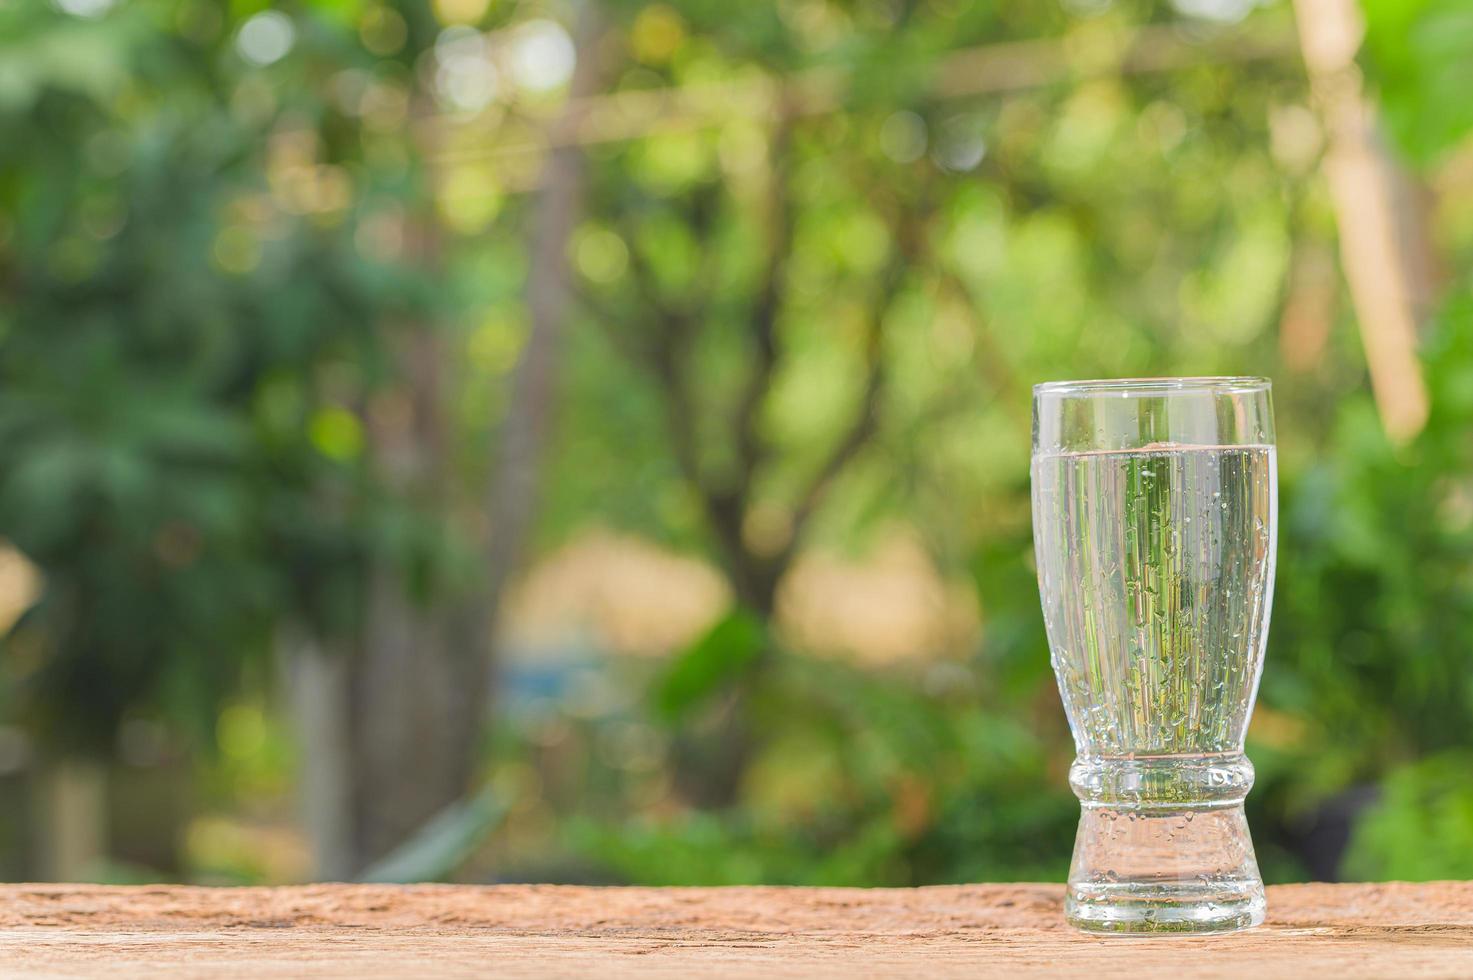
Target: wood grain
1381	930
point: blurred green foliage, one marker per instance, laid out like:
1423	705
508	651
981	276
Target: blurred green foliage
1420	829
1388	547
192	346
180	358
903	778
1417	53
715	661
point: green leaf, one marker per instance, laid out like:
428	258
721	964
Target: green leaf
442	844
1417	53
725	652
1421	803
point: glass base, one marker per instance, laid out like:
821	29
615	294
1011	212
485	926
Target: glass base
1164	870
1155	907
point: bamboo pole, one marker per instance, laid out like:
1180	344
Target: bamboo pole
1384	258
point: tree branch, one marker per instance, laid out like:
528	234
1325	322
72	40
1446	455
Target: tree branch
909	233
987	357
512	492
633	349
750	450
990	69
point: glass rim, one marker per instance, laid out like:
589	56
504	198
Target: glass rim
1225	384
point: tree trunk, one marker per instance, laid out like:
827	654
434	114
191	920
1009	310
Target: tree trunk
388	731
512	495
414	699
389	723
71	819
317	693
510	503
712	752
417	690
417	704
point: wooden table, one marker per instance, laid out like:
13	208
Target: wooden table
1386	930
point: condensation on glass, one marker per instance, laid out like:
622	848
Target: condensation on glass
1154	513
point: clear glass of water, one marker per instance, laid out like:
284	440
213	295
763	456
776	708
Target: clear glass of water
1154	507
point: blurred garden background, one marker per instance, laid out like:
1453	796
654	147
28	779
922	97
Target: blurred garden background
587	440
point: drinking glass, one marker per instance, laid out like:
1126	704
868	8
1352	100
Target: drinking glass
1154	506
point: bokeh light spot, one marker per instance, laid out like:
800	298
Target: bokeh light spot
1088	8
657	34
266	37
671	161
468	199
903	137
382	31
465	78
863	241
237	250
494	346
600	254
541	56
961	145
460	11
241	731
336	433
85	8
1221	11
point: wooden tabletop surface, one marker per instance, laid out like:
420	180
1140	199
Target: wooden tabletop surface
1380	930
